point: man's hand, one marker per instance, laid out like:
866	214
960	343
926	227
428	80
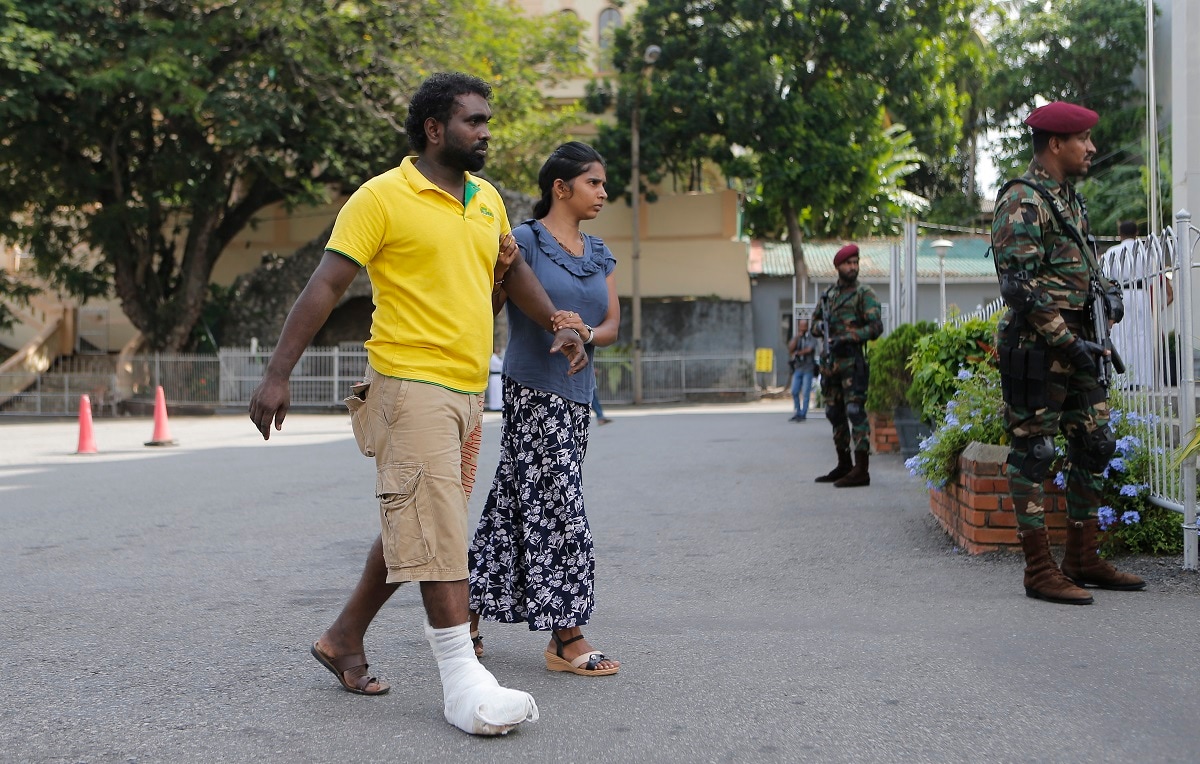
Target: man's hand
1082	354
569	343
270	401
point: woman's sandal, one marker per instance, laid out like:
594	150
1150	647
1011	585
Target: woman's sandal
584	665
339	666
477	641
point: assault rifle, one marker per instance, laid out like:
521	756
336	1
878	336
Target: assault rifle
826	351
1100	309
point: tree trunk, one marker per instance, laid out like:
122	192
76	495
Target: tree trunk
796	240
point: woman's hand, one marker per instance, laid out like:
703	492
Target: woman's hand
504	258
568	319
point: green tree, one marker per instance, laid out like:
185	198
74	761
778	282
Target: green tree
137	137
1086	52
792	97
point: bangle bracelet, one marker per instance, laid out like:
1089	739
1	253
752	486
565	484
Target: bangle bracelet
591	335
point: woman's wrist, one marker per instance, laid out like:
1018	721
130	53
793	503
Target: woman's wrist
591	335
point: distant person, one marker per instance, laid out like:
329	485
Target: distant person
532	560
1146	294
1048	356
802	357
598	407
848	316
428	232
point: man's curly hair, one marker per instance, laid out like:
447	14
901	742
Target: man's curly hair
435	98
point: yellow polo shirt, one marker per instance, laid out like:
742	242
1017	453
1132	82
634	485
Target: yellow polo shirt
430	259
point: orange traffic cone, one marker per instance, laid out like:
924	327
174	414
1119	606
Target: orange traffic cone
87	441
162	433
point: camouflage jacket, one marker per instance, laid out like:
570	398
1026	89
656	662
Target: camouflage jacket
1027	237
854	313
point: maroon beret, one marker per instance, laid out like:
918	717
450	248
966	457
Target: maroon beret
844	254
1062	117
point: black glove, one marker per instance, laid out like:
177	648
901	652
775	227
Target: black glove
1082	354
818	328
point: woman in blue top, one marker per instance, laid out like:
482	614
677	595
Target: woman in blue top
531	559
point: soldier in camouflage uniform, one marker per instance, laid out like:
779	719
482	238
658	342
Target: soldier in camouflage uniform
1048	354
848	316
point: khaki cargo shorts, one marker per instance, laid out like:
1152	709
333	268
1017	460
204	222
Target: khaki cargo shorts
425	440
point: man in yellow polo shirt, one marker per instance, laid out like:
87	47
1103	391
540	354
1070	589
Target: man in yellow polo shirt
429	234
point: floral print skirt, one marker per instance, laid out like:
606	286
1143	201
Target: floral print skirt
531	559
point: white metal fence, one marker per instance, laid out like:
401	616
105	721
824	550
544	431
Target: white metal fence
323	376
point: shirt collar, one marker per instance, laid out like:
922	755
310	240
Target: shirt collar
419	182
1046	179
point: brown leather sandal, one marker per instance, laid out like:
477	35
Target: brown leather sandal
339	666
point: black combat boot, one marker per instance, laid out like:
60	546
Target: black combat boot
843	467
1085	567
1043	579
859	475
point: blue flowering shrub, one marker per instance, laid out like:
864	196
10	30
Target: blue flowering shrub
1131	524
972	413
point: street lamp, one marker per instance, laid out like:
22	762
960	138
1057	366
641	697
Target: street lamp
635	192
940	246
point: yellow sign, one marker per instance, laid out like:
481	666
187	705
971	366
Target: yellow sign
764	360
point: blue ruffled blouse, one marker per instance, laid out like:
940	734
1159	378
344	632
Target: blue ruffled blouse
573	283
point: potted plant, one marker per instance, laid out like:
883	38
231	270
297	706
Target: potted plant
890	379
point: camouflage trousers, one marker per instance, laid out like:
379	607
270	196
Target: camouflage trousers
1064	400
844	386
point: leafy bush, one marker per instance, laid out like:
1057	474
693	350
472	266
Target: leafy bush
938	358
974	412
888	356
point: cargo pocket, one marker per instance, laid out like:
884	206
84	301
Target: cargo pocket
401	506
360	419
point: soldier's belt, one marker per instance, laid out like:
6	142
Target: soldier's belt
845	349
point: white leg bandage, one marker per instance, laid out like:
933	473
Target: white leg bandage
473	700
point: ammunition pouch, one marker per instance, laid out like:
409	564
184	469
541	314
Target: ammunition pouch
1023	375
861	376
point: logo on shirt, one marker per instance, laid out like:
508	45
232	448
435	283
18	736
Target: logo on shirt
483	210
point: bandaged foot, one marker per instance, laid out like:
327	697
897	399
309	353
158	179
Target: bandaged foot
473	700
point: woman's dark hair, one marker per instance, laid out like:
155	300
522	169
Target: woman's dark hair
435	98
566	163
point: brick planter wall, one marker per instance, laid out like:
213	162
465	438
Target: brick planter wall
884	439
976	511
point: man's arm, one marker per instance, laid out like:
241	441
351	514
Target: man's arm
526	292
508	252
325	287
1017	239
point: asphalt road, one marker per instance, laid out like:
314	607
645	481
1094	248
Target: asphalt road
157	605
